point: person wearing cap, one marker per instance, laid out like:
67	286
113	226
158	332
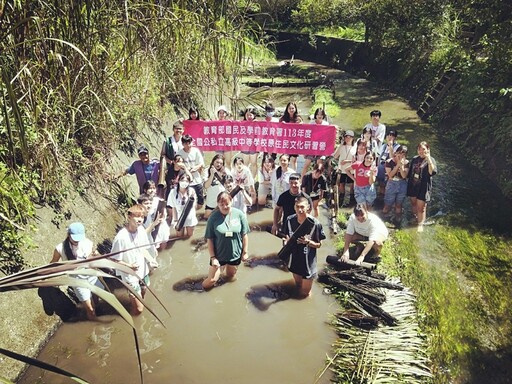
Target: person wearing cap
386	152
285	205
145	169
78	247
364	226
133	250
344	156
377	128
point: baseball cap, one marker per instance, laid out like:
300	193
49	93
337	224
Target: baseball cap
142	149
295	176
349	133
76	231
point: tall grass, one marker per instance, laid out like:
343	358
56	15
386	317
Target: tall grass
81	80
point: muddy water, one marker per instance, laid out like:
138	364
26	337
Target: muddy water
248	331
251	330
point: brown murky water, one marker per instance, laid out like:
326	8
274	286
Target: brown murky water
247	331
250	331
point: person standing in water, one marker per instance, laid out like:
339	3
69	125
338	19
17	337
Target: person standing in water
419	182
133	235
78	247
303	260
226	235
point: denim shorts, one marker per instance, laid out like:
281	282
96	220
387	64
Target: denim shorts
365	195
395	192
84	294
381	173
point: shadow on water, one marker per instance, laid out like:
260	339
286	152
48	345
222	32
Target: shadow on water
262	296
209	329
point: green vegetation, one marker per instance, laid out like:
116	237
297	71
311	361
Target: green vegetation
456	309
410	44
324	98
82	80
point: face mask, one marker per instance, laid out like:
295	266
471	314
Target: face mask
270	114
183	184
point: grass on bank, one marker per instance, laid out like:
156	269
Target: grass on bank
463	289
458	304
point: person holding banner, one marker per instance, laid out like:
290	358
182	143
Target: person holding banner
226	234
178	199
222	115
319	118
251	157
291	115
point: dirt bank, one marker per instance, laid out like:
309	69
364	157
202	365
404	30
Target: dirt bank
26	326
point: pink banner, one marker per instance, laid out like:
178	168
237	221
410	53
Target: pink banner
262	136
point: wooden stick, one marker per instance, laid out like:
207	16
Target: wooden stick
337	262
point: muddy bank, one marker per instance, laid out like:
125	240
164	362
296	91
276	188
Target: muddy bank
26	326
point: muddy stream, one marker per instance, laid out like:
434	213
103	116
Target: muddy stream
252	331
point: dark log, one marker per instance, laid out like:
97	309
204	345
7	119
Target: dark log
377	298
375	310
303	229
235	191
160	209
359	320
337	262
186	210
377	282
353	275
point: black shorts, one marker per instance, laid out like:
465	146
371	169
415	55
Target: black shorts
199	192
234	262
345	179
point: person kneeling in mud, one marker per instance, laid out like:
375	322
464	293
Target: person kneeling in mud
226	234
77	246
364	226
132	249
302	261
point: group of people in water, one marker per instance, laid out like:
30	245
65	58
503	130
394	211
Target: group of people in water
175	188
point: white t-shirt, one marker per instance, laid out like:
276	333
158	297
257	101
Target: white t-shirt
125	240
373	228
178	204
193	159
378	132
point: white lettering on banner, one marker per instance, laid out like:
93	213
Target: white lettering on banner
262	136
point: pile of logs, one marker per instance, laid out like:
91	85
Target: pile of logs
360	280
